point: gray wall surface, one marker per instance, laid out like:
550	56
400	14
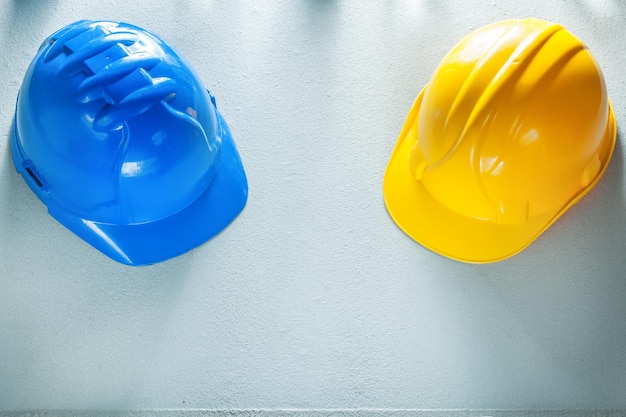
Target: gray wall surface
313	298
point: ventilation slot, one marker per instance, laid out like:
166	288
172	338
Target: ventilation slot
34	177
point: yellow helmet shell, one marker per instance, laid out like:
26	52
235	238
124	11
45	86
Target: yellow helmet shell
514	127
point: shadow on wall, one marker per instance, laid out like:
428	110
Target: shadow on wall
613	221
27	17
30	14
31	8
603	8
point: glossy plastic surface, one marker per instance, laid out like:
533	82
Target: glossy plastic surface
117	136
514	127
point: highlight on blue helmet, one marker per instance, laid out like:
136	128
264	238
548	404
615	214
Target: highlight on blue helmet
115	133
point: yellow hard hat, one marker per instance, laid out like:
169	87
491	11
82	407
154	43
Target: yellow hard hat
514	128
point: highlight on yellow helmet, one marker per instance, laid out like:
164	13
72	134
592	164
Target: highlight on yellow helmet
514	127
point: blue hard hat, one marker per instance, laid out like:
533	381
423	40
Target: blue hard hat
117	136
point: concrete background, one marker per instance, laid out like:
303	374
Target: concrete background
313	298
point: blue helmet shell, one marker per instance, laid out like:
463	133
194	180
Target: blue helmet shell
117	136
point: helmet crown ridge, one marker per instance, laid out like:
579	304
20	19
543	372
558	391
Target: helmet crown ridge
116	65
490	124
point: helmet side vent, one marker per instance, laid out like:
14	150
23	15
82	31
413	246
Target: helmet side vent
34	177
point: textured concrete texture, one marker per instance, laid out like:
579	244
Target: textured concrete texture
318	413
313	298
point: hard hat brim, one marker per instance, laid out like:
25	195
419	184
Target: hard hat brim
450	234
152	242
